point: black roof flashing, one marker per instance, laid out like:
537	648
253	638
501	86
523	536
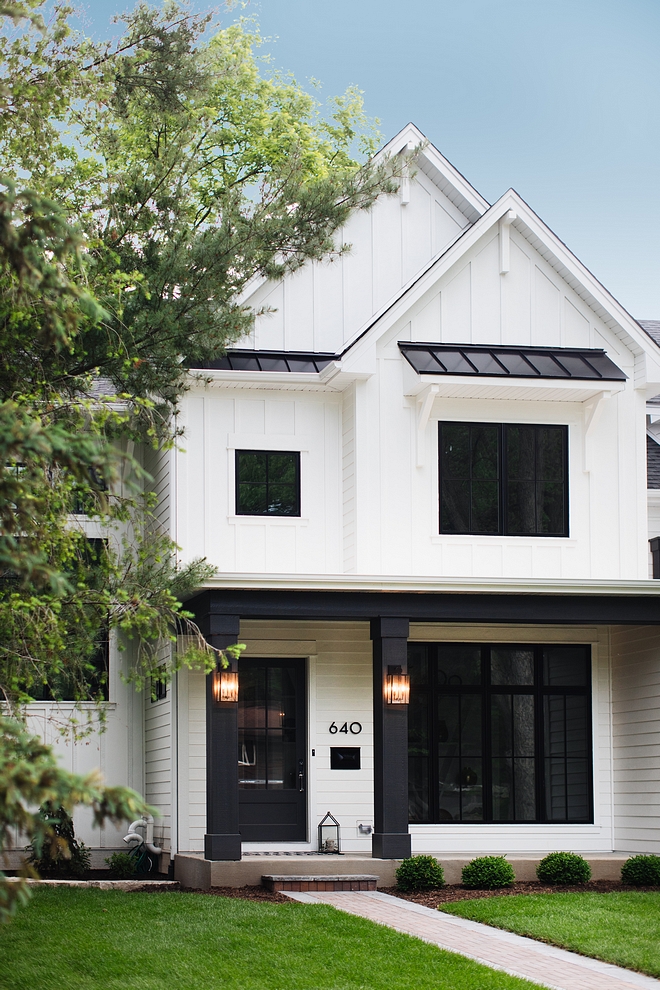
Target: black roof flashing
587	364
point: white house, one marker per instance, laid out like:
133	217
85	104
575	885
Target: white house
429	459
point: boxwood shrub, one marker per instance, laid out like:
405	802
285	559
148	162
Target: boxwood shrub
420	873
563	868
488	873
641	871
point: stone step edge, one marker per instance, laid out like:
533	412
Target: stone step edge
313	878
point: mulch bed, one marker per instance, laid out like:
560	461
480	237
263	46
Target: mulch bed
456	892
429	898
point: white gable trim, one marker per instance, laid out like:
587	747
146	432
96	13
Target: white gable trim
442	173
556	254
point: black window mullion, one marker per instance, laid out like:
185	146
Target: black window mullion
504	482
432	709
565	761
486	728
539	742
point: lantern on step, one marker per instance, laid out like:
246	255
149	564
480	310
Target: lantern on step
329	835
225	685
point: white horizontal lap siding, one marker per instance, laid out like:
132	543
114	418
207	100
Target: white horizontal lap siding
116	749
339	658
532	838
158	763
158	464
191	729
636	737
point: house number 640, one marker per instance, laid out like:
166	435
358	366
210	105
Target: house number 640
355	728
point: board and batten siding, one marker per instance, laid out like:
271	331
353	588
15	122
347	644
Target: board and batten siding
217	422
636	737
324	304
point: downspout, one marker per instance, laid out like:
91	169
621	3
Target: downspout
133	837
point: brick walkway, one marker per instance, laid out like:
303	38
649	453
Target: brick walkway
518	956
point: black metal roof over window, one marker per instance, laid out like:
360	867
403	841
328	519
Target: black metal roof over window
511	362
249	360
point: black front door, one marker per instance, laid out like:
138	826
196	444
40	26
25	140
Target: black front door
272	771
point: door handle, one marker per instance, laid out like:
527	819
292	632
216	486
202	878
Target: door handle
301	776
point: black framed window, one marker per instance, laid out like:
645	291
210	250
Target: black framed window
503	479
499	733
267	483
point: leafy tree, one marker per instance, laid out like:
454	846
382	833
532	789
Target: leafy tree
147	184
144	186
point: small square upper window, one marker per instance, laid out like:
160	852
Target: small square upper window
267	483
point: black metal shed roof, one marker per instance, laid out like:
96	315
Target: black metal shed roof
511	362
249	360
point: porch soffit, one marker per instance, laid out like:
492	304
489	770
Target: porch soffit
563	605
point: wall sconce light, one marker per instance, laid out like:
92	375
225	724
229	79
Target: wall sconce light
225	685
329	835
397	686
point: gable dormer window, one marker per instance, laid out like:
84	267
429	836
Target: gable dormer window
505	479
267	483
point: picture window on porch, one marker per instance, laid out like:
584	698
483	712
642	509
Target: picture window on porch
267	483
503	479
499	734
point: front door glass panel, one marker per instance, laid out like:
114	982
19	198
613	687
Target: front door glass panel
267	728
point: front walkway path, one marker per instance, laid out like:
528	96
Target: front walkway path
518	956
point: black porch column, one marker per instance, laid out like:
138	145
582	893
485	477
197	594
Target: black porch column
391	839
222	839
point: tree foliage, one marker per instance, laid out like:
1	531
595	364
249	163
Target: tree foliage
31	777
146	184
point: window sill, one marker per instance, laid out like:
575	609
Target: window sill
270	520
565	541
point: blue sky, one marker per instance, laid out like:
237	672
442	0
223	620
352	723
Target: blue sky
558	98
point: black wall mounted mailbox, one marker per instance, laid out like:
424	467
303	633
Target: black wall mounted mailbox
345	758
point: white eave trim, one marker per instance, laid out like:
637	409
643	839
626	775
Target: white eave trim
504	586
485	387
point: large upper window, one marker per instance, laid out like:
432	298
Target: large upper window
267	483
503	479
499	733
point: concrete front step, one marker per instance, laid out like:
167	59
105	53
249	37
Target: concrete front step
195	872
341	881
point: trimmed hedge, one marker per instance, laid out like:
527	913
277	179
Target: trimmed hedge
563	868
488	873
641	871
420	873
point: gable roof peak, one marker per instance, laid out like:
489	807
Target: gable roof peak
439	169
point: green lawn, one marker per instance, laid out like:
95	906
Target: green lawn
109	940
621	928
